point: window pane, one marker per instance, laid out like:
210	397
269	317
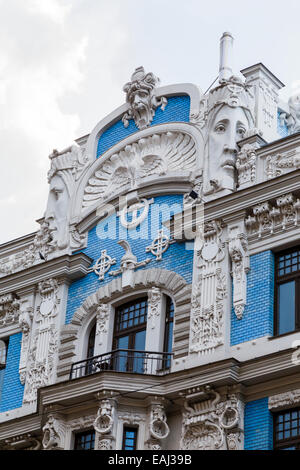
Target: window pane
286	307
129	438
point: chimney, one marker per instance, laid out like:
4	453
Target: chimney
226	57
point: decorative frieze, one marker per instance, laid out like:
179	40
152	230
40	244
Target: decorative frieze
157	154
36	253
268	218
279	164
284	400
212	421
209	292
140	95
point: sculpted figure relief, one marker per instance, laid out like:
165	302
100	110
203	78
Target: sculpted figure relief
65	169
229	118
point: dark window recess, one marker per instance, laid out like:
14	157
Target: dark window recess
287	291
287	430
90	350
168	339
129	438
85	440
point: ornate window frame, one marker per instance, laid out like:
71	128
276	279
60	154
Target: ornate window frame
113	294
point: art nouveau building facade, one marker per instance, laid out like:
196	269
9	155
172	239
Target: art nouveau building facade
157	307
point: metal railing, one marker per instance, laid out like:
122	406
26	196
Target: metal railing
124	360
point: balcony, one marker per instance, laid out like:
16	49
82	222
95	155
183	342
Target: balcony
124	360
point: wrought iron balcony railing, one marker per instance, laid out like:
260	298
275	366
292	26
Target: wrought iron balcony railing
124	360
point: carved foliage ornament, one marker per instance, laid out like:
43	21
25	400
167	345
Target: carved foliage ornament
154	304
277	165
284	400
157	155
51	431
140	95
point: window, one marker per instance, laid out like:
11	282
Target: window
287	299
287	430
130	336
168	336
85	440
129	438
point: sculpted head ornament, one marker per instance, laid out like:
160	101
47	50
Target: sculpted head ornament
140	95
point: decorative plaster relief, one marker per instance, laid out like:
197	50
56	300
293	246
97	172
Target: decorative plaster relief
103	264
36	253
104	423
246	165
159	245
212	422
140	95
277	165
102	321
267	219
25	323
238	251
154	304
284	400
9	309
292	119
53	433
157	155
129	264
209	292
66	168
44	341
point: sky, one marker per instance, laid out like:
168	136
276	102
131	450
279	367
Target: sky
63	64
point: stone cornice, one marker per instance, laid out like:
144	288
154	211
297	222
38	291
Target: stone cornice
239	201
66	267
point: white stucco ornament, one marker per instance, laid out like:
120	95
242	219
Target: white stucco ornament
140	95
103	264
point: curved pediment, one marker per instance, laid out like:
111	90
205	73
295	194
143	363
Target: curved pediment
165	150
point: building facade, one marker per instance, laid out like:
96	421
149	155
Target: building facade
157	306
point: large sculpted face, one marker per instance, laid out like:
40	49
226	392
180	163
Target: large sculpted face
229	126
57	212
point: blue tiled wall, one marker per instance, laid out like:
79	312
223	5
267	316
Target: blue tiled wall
177	258
257	319
258	426
177	110
12	390
282	130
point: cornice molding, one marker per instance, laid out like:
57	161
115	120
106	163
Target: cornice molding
67	267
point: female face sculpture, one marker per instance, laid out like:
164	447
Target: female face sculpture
228	126
57	212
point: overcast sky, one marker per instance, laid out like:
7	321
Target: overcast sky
63	64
